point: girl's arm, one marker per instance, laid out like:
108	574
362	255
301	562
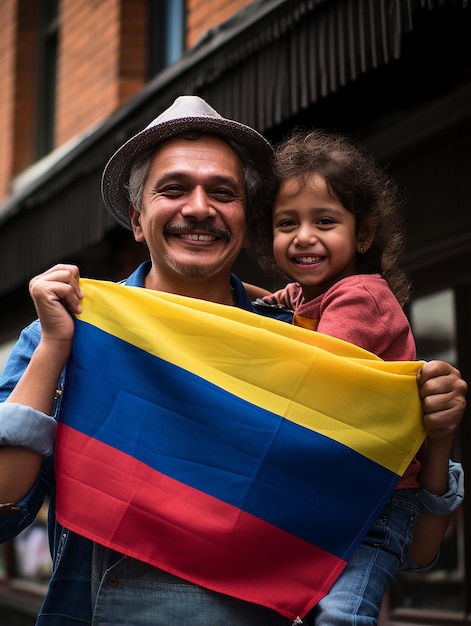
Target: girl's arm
254	291
288	297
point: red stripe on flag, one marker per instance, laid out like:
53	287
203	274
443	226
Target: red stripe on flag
119	502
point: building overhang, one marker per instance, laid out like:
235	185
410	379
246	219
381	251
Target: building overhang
268	64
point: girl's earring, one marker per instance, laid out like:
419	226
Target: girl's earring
362	249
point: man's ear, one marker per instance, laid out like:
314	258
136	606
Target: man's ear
135	219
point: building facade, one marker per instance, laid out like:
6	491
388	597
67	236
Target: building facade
78	77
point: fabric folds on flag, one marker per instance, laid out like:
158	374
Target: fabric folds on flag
238	452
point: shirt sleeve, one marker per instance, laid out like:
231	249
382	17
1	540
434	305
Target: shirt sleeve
23	426
451	500
362	310
439	505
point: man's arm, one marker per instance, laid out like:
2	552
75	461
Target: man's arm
56	294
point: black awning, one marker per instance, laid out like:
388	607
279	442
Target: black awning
265	65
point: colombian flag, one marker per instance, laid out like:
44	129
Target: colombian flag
238	452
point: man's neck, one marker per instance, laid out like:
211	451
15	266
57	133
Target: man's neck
213	289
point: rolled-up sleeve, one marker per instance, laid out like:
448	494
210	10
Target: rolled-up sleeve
449	501
439	505
23	426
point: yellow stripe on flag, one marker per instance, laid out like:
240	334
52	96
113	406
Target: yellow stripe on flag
325	384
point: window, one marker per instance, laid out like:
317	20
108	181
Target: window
47	72
166	33
433	322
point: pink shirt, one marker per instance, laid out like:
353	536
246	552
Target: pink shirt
362	310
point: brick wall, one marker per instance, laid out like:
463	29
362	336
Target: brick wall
8	26
203	14
102	53
102	56
18	30
24	121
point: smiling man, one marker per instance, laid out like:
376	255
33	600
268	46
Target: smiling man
192	214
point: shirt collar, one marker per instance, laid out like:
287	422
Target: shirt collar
242	300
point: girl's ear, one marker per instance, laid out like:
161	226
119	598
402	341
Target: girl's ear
365	238
246	243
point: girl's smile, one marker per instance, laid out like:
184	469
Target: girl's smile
314	236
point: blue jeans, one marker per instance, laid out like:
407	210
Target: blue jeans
128	592
131	593
355	598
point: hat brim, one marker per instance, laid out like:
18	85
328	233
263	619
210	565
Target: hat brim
117	170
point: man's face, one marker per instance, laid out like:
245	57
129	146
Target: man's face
192	216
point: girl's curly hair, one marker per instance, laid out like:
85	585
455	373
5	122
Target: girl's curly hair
359	183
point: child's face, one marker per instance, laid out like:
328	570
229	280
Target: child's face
314	239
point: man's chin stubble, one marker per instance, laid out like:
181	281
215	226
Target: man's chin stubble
196	270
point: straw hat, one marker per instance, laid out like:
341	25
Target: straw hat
186	114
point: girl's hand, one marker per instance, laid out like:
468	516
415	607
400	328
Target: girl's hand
289	297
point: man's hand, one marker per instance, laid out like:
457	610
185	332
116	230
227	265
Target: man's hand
56	295
443	394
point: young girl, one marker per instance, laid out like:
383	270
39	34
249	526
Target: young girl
335	230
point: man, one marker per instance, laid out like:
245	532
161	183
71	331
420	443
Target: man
193	178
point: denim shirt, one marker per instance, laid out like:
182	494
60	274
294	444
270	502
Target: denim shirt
68	599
